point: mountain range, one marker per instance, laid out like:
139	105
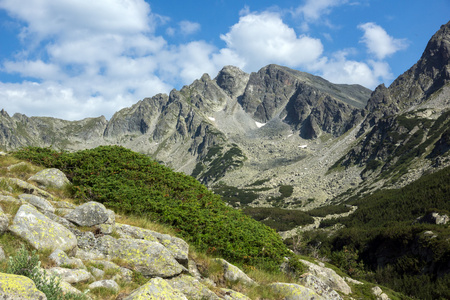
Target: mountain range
284	137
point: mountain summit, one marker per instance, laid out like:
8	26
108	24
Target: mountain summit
276	128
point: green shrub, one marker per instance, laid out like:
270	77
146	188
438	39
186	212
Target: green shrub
29	266
132	183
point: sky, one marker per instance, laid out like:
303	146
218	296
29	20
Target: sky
73	59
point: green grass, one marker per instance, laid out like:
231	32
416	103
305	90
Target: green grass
134	184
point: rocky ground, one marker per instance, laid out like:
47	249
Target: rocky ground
88	248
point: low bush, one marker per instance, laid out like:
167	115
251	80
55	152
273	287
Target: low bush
132	183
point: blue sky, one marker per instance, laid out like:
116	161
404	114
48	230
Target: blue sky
73	59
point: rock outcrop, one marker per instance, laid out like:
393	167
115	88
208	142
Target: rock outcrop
88	257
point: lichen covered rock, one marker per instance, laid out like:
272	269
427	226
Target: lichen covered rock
149	258
50	177
39	202
233	273
292	291
41	232
16	287
89	214
156	289
192	288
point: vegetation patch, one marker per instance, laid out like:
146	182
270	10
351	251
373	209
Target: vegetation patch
132	183
279	219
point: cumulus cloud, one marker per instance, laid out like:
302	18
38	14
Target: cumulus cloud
313	10
378	42
187	27
82	58
263	38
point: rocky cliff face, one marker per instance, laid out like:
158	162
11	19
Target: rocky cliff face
406	129
201	128
277	126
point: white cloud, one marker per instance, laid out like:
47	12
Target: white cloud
187	27
339	69
261	39
313	10
378	42
94	58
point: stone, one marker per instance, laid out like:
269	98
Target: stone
41	232
156	288
92	254
2	254
9	199
233	273
192	288
50	178
228	294
107	284
378	292
149	258
122	273
71	275
329	277
4	222
292	291
97	272
16	287
18	165
40	203
178	247
88	214
86	241
317	285
68	288
29	188
60	258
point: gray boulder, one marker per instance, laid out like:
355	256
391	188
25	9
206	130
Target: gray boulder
228	294
107	284
8	199
89	214
192	288
317	285
60	258
2	254
233	273
40	203
71	275
329	277
41	232
29	188
16	287
156	288
149	258
292	291
50	177
4	222
178	247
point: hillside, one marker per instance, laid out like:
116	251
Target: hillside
118	255
277	127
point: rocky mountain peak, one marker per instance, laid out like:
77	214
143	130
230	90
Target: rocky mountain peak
232	80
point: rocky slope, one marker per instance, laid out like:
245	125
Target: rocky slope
276	127
87	247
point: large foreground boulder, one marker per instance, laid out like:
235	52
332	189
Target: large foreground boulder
328	277
156	288
41	232
89	214
16	287
149	258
